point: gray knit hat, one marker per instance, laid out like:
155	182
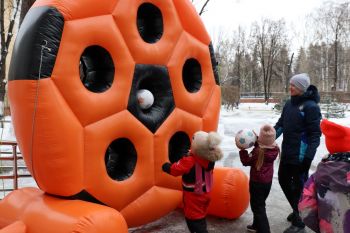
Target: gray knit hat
301	81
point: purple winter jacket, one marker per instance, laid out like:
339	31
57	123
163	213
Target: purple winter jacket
265	174
325	202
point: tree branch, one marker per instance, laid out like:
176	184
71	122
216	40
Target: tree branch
12	23
2	24
203	7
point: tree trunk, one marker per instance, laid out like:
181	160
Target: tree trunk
286	87
336	64
6	37
2	81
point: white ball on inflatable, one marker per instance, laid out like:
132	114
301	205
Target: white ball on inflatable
245	138
145	98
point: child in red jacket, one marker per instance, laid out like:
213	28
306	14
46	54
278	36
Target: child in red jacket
196	169
261	160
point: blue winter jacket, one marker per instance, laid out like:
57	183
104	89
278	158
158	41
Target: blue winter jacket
300	125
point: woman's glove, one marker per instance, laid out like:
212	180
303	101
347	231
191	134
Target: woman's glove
166	167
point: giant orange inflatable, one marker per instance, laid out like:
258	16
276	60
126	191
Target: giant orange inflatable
75	75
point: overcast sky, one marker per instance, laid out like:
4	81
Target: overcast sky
226	15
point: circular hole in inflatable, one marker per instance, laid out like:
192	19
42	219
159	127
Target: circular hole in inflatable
179	146
120	159
96	69
149	23
192	75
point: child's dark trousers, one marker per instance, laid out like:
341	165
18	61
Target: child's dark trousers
197	226
258	195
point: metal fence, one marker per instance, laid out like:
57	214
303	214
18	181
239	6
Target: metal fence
12	166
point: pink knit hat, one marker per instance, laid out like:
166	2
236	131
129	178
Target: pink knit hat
267	137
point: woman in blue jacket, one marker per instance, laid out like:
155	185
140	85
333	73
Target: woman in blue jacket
300	125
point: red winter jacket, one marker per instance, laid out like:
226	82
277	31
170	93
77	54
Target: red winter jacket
186	168
195	202
265	174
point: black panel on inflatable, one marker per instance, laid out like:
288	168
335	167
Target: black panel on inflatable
179	146
214	64
155	79
120	159
42	26
96	69
149	23
83	195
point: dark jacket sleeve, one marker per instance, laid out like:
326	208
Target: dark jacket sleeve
313	130
279	125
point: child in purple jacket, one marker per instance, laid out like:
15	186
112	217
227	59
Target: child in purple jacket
261	160
325	202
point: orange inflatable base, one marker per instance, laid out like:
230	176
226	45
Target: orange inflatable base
30	210
16	227
230	194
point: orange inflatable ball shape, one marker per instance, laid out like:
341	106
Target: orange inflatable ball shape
85	128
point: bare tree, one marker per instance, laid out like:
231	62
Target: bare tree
268	38
225	55
255	71
282	71
317	65
240	50
301	64
202	5
8	14
346	70
289	71
332	22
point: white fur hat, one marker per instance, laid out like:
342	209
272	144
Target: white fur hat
206	145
